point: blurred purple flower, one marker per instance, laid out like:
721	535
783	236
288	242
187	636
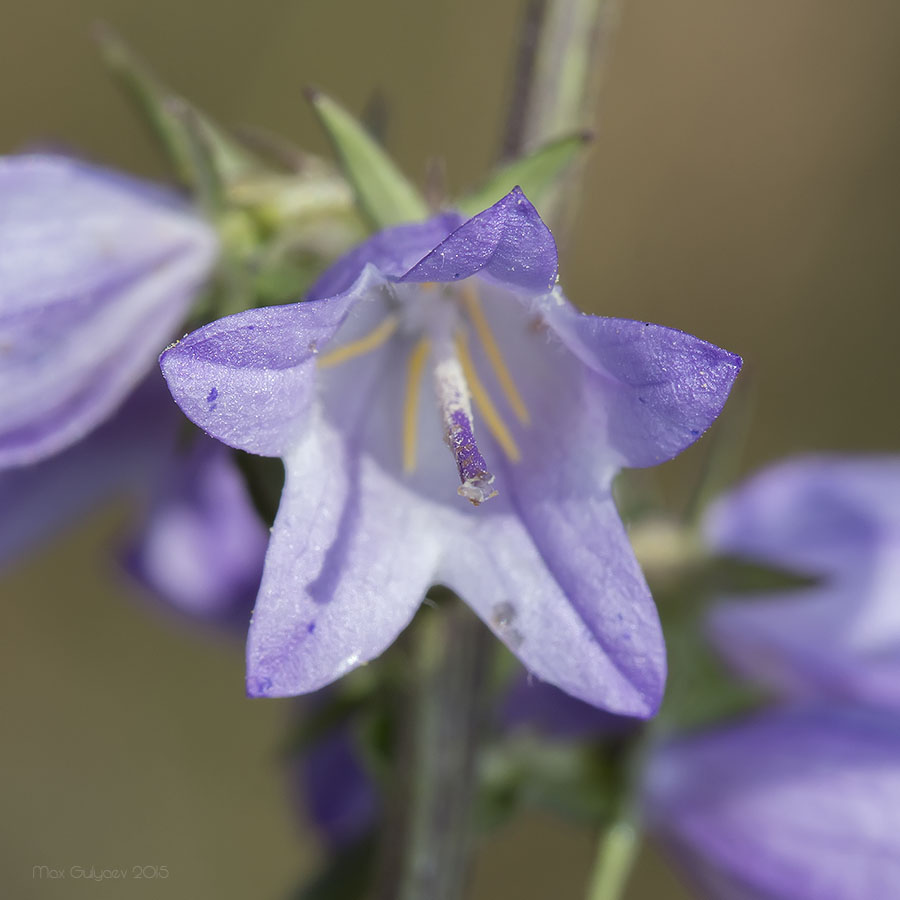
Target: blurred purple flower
339	794
202	544
200	547
790	805
370	516
97	271
534	705
124	455
837	519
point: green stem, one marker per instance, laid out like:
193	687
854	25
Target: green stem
616	855
567	67
620	841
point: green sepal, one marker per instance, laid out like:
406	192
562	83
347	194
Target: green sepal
535	173
162	110
383	192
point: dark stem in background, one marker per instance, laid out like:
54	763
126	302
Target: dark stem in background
428	837
523	78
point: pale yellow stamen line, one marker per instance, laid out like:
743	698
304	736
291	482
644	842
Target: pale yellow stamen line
411	407
495	357
372	341
495	424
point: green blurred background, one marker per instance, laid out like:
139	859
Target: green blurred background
744	186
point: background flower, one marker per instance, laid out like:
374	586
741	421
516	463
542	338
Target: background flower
791	805
97	271
837	519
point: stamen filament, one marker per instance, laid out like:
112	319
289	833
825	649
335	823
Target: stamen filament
411	407
492	419
366	344
492	350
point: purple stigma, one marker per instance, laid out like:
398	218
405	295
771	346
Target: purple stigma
456	412
473	471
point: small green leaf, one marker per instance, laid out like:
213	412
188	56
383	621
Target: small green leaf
384	193
162	108
535	174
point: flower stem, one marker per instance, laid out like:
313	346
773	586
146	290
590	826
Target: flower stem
565	50
616	854
432	843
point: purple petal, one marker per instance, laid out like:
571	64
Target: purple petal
96	272
508	243
202	546
392	251
575	609
836	518
249	379
793	805
813	514
656	388
351	555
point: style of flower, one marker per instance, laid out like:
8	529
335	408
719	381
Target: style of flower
97	271
836	519
370	516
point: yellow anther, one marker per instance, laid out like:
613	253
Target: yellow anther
372	341
491	348
411	407
483	402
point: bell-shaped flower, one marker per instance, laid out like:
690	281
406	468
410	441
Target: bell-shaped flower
791	805
446	416
97	271
836	519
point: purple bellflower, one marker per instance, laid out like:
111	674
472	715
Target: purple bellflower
97	271
414	341
837	519
797	804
